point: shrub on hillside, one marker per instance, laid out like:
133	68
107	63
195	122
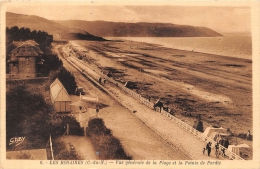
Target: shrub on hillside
27	114
66	78
74	127
16	33
60	151
96	126
51	63
104	142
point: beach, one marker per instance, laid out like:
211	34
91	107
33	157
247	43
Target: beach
186	81
217	88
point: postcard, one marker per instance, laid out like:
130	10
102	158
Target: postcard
134	84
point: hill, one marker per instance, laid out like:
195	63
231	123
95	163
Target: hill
141	29
58	31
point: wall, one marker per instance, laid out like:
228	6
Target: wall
13	70
27	68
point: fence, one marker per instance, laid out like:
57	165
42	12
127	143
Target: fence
146	102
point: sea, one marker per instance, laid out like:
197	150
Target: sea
233	45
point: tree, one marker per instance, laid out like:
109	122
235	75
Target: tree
66	78
27	114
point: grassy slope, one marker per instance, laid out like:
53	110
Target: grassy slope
112	29
58	31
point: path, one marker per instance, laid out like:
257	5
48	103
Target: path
82	146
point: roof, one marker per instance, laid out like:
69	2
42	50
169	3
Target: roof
26	49
210	130
58	92
16	43
33	42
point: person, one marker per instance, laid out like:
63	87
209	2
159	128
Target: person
223	152
204	148
99	80
208	147
217	150
248	135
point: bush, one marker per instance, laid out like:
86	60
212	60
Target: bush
60	151
104	142
60	129
96	126
27	114
51	63
66	78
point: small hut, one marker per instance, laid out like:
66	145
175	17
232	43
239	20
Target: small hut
59	97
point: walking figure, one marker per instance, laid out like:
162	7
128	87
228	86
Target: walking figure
217	150
208	147
158	104
99	80
248	135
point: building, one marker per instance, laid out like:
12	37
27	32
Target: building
59	97
24	59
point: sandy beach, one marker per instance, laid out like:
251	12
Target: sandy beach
219	88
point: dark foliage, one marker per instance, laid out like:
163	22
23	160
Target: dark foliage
41	37
88	36
104	142
96	126
61	152
66	78
60	129
51	63
28	115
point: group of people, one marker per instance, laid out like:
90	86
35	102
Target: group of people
217	150
100	80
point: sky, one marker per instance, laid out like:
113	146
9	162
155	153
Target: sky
219	18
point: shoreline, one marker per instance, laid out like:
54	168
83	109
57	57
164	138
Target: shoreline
137	39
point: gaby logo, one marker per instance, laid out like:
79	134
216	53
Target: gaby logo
16	140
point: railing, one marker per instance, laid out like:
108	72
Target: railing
179	122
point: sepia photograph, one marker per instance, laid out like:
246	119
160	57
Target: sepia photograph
134	84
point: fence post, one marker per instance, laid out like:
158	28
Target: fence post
68	129
52	157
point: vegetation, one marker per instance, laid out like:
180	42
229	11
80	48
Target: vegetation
60	151
66	78
28	115
17	34
50	61
104	142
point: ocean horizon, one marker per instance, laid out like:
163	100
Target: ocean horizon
239	46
